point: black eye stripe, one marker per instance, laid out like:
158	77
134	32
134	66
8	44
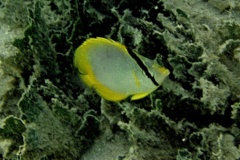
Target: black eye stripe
143	67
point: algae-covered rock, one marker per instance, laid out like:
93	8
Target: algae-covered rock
11	135
54	124
47	113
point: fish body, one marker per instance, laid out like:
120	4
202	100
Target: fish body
107	67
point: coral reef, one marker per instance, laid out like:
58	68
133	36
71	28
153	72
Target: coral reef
47	113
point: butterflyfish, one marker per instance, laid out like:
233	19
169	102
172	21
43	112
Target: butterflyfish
107	67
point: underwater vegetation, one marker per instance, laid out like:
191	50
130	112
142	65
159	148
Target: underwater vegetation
46	112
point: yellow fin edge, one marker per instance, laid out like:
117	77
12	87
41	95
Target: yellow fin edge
102	90
139	96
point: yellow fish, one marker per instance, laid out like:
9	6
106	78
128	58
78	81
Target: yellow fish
108	68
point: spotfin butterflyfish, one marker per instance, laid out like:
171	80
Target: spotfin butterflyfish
107	67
